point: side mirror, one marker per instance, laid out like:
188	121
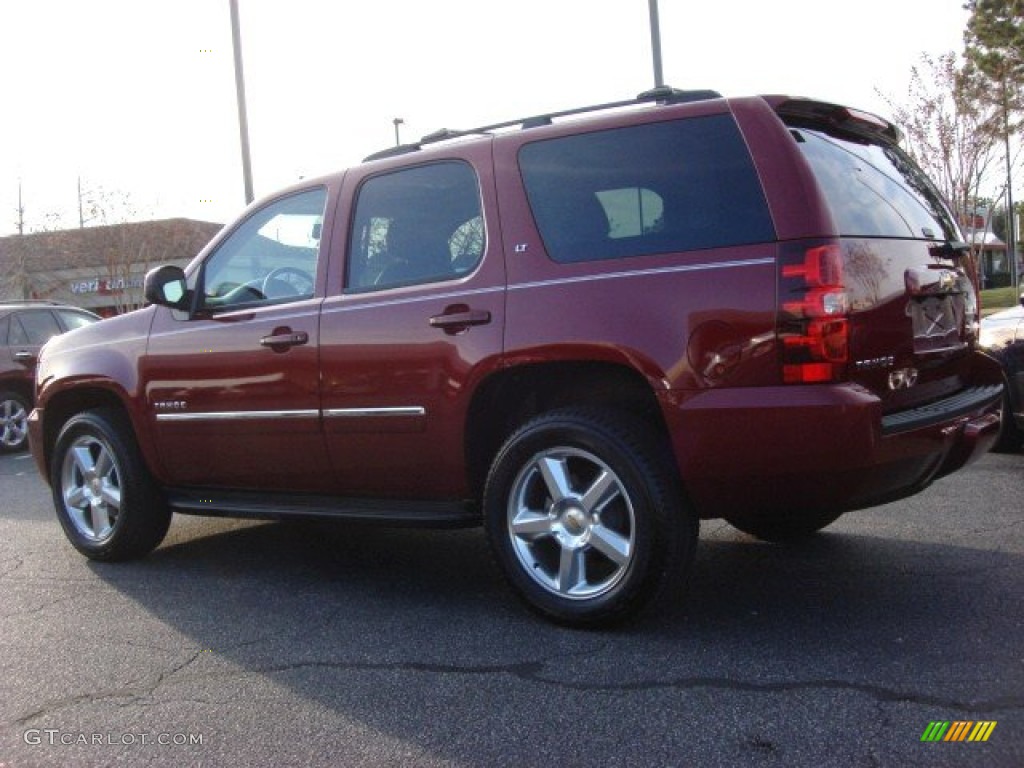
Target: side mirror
166	286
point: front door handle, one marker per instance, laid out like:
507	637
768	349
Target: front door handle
24	356
283	338
458	318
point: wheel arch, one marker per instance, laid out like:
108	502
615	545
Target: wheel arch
510	397
21	388
63	405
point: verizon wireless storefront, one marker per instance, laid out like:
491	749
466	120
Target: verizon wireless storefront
97	268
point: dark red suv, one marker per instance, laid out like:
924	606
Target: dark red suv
585	331
24	327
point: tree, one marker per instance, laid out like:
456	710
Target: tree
995	45
995	39
950	130
37	264
126	249
20	277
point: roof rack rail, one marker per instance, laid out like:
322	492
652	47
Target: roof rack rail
21	302
663	94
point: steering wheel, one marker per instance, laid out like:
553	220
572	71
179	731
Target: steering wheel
295	281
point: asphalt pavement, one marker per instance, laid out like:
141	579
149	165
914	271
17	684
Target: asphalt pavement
286	644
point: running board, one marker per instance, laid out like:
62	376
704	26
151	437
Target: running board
279	506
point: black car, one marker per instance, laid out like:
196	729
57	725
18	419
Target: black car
24	327
1002	336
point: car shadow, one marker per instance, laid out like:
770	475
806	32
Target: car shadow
838	587
381	625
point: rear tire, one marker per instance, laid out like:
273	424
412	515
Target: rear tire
106	501
1010	437
14	410
784	529
585	517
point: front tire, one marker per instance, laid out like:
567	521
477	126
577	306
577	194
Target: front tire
106	501
585	517
14	410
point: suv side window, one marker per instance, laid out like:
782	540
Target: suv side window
271	258
417	225
33	327
657	188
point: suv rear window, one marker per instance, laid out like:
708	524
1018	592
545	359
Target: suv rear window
656	188
874	190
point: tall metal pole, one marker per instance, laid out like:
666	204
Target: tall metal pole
21	212
243	120
397	121
1011	219
659	79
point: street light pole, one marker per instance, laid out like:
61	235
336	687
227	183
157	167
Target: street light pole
1011	219
397	121
659	79
243	120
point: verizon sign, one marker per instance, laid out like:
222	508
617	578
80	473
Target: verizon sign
105	285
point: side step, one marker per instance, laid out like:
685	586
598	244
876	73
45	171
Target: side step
278	506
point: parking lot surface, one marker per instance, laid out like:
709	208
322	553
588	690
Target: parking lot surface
255	643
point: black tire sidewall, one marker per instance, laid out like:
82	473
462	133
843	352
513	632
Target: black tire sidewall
1010	437
659	528
783	530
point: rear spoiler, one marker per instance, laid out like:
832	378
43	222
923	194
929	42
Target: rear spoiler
843	119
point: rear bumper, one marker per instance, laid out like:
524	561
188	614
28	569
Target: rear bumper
791	449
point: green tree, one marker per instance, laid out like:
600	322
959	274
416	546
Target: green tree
994	42
995	39
950	131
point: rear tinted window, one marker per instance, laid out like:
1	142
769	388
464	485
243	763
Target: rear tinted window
33	327
875	190
654	188
417	225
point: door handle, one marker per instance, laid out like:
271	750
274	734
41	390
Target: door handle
24	356
282	339
459	318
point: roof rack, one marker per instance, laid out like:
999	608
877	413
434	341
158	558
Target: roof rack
663	94
22	302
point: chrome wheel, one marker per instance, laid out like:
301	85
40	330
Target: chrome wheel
106	500
13	423
584	516
571	523
91	488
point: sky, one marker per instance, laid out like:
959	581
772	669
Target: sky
137	97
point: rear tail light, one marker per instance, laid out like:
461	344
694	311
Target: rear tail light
814	327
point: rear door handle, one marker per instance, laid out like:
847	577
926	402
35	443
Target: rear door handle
459	318
283	338
24	356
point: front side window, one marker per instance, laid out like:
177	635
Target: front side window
271	258
655	188
418	225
